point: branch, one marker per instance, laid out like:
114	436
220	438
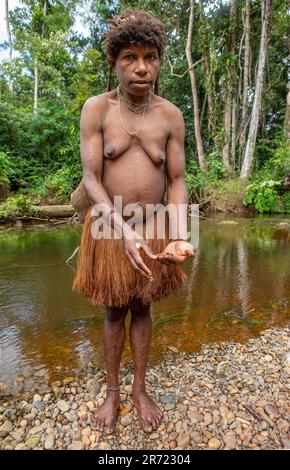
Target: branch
189	68
69	260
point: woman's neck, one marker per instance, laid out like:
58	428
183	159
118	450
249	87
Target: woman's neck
135	98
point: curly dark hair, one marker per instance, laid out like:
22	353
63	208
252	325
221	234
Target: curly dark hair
131	28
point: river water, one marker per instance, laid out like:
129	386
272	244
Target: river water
238	284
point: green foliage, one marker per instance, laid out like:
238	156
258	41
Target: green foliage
62	183
264	195
40	152
16	206
196	179
286	200
4	169
266	191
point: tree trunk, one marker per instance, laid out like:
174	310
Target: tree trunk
253	130
205	46
36	70
197	130
227	121
245	103
287	115
234	131
35	103
10	45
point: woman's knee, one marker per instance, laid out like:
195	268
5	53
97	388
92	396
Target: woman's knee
116	314
139	310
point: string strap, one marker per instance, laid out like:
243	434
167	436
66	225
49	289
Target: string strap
112	389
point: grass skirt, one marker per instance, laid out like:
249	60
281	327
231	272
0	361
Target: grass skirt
107	278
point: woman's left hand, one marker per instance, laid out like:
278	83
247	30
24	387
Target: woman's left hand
176	252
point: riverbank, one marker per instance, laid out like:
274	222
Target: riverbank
228	396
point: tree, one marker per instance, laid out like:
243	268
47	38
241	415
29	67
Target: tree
197	129
253	130
229	94
10	45
246	78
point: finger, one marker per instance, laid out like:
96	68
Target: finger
190	252
135	266
141	264
175	258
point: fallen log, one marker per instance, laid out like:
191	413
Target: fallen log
65	210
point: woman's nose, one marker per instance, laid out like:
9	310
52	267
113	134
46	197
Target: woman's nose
141	67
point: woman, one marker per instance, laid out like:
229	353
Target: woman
129	137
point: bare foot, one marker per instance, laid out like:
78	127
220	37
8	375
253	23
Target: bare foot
149	413
104	418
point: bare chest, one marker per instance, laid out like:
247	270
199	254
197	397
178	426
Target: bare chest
126	132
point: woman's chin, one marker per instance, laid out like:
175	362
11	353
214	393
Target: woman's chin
140	88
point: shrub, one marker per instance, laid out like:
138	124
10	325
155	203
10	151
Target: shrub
63	182
16	206
4	169
264	195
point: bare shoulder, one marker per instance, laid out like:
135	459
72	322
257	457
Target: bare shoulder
169	108
173	116
94	110
98	102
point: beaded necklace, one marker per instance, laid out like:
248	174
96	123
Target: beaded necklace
138	109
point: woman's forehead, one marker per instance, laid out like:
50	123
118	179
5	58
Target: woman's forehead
139	48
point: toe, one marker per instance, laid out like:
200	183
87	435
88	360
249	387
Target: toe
156	423
147	426
102	426
95	422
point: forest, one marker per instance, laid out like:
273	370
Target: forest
225	67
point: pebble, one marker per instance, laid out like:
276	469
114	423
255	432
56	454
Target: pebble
209	400
230	441
6	428
76	445
49	441
63	406
32	442
214	443
126	420
183	441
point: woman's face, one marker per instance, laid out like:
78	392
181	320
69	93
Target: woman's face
137	69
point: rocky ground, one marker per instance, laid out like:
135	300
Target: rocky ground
228	396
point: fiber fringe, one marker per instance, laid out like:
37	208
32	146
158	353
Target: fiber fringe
107	278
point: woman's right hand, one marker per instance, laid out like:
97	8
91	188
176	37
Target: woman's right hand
133	244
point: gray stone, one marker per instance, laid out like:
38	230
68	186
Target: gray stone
39	405
183	441
126	420
76	445
6	428
17	435
167	399
63	405
230	441
49	441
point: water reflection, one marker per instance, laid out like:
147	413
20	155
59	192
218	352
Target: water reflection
238	283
